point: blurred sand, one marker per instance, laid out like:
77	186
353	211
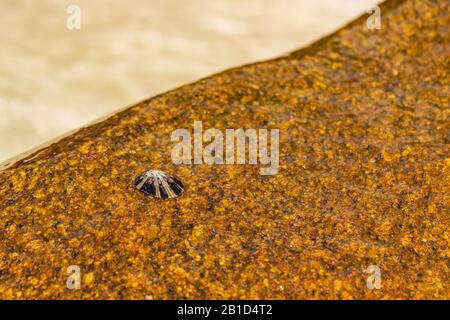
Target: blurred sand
53	80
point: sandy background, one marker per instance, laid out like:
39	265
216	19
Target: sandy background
53	79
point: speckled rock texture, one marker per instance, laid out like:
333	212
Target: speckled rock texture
363	180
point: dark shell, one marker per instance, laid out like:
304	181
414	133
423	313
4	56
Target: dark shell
159	184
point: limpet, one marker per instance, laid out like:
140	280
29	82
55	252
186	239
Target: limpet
159	184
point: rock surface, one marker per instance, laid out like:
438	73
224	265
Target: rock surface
364	180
